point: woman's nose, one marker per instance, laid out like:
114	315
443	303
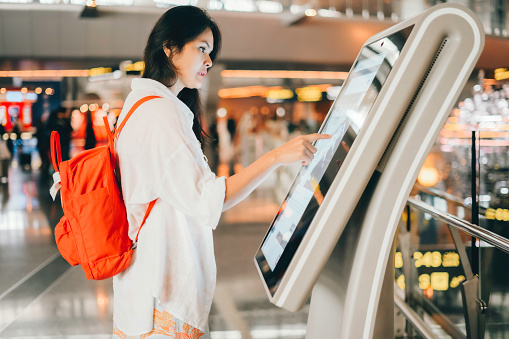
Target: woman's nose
208	61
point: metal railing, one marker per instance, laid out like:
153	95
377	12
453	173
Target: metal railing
473	307
474	230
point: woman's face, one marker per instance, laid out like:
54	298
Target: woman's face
193	61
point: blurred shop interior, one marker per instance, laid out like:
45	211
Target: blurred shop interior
65	64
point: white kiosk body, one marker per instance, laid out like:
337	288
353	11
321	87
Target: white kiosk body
334	232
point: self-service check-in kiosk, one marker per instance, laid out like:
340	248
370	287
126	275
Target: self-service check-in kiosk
333	234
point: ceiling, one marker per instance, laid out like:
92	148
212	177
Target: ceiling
39	36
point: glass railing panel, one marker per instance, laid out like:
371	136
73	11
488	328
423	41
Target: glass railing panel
432	282
493	149
494	291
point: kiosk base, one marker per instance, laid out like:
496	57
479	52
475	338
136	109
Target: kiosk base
328	297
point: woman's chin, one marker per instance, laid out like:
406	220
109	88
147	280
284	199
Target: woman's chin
196	85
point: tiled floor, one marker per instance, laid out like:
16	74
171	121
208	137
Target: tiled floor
41	296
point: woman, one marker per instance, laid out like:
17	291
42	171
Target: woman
169	286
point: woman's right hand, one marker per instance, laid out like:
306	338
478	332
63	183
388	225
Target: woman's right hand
298	149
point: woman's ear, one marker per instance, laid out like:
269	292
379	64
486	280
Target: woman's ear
167	51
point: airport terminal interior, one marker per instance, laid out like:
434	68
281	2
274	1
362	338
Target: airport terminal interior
66	64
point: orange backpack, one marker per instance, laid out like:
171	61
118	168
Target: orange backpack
93	231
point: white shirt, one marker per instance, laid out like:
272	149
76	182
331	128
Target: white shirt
160	157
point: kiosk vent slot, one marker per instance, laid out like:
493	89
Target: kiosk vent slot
411	104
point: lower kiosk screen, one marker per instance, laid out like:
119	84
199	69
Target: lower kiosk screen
345	119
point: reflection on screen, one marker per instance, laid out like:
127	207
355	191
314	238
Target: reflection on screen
307	182
343	122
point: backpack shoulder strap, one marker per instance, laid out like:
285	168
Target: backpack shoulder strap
131	111
112	135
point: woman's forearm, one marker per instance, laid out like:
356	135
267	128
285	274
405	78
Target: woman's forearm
299	149
240	185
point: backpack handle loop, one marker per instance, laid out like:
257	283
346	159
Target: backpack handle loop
111	144
150	206
56	153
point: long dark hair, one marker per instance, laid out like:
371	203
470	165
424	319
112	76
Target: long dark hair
178	26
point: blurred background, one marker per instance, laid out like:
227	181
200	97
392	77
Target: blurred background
65	64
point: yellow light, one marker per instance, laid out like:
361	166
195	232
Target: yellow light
24	90
440	281
311	93
100	71
499	214
455	281
280	94
93	107
310	12
84	108
49	91
3	90
398	260
418	259
436	259
401	282
136	67
451	259
424	281
264	110
501	74
38	90
105	106
428	176
502	214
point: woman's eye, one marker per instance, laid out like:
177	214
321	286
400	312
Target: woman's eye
202	49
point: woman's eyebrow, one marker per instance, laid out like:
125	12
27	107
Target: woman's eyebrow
206	43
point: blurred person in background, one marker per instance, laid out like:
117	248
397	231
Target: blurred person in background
59	121
5	156
90	139
43	141
168	289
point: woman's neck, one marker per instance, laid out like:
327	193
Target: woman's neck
176	88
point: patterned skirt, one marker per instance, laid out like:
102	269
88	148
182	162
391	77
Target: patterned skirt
165	326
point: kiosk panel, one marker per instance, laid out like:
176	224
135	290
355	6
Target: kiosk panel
344	120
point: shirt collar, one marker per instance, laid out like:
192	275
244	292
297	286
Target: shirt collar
144	84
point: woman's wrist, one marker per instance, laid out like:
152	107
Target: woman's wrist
272	159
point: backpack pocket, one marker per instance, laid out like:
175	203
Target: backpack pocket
66	242
103	224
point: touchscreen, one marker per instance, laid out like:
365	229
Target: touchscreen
345	118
